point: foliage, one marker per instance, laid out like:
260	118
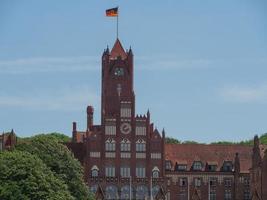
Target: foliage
190	142
61	138
170	140
25	176
59	160
263	140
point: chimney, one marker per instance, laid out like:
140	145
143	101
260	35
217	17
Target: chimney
90	118
74	132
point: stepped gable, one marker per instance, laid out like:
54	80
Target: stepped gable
187	153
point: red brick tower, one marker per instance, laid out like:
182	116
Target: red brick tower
125	149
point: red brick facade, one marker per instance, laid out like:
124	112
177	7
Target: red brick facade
259	171
125	157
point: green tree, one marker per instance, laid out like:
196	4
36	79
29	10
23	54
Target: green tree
24	176
170	140
60	161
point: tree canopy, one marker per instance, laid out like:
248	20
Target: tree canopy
25	176
59	160
41	167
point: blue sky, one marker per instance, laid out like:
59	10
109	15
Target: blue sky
200	66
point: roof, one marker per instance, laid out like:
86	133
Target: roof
188	153
118	50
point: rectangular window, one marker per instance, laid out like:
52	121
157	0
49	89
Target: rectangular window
126	109
246	181
197	182
227	182
155	155
110	171
125	171
213	182
110	146
125	112
227	195
168	165
140	130
140	147
1	145
212	194
125	146
140	172
110	130
247	194
182	182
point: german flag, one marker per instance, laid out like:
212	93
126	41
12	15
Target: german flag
112	12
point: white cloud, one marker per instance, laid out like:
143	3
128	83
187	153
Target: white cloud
63	99
89	63
245	94
49	64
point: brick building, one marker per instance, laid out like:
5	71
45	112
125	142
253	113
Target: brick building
259	171
125	157
7	140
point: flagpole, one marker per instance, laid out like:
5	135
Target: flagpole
118	24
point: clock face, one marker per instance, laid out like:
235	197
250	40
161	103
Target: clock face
125	128
119	71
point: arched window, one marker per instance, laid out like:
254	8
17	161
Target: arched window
155	172
111	192
141	192
110	145
125	145
140	145
125	192
94	171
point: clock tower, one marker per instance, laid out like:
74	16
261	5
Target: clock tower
124	155
117	84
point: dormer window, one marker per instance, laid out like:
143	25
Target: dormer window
197	166
211	167
168	165
227	166
181	167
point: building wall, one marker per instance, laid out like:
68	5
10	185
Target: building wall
120	123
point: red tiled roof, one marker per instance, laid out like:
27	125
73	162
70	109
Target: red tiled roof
118	50
208	154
